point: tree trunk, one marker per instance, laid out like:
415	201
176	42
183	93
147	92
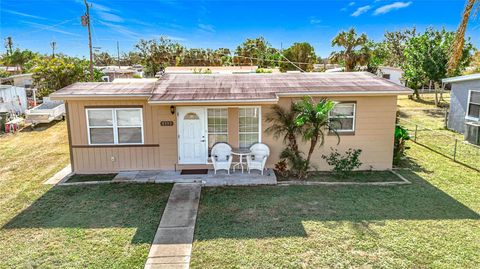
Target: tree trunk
457	49
313	144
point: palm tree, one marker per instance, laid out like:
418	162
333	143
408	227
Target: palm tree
457	48
314	120
283	125
354	52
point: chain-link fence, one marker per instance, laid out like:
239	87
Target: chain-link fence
441	142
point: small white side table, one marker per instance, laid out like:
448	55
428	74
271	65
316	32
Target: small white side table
240	153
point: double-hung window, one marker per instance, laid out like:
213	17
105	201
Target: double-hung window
249	126
217	121
474	105
343	117
114	126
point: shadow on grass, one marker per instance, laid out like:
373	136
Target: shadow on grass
280	211
99	206
40	127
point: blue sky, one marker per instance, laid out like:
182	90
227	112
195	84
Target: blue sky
33	24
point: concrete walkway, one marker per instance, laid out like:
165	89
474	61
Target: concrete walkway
60	176
172	245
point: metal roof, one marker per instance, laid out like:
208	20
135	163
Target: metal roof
461	78
240	87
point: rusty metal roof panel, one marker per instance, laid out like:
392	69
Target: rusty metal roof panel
202	87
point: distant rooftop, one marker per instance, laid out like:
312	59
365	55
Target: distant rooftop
176	88
461	78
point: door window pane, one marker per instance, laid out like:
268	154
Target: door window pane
217	121
248	123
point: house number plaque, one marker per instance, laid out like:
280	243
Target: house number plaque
166	123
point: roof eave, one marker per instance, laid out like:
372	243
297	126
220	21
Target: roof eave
101	96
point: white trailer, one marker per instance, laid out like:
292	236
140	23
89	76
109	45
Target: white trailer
45	113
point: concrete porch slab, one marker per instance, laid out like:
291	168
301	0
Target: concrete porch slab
209	180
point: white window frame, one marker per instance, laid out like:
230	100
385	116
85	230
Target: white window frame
259	123
468	106
206	125
346	117
114	126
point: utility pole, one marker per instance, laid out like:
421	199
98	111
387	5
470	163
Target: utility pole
118	55
9	45
53	44
86	22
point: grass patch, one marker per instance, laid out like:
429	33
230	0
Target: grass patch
101	226
90	178
433	222
355	176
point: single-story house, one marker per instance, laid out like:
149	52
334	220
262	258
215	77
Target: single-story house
171	124
394	74
464	101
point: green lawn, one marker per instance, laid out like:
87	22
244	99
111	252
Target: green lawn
90	178
102	226
431	223
431	132
355	176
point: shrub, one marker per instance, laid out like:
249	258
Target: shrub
401	135
263	70
298	164
343	165
281	168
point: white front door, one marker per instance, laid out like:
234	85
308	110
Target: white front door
191	135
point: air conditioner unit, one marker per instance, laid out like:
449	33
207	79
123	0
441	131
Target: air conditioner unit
472	132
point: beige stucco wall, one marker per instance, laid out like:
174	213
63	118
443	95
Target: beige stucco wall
375	121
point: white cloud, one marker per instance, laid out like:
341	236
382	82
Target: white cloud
206	27
390	7
314	20
360	11
24	14
107	16
351	4
121	29
52	28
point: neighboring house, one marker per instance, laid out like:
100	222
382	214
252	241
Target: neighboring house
393	74
464	101
172	123
114	72
13	99
211	69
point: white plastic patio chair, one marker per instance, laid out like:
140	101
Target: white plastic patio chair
258	156
221	155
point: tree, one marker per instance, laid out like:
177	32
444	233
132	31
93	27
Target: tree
394	46
457	51
52	74
313	118
426	58
19	58
157	54
354	52
301	54
256	51
283	124
103	59
131	58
